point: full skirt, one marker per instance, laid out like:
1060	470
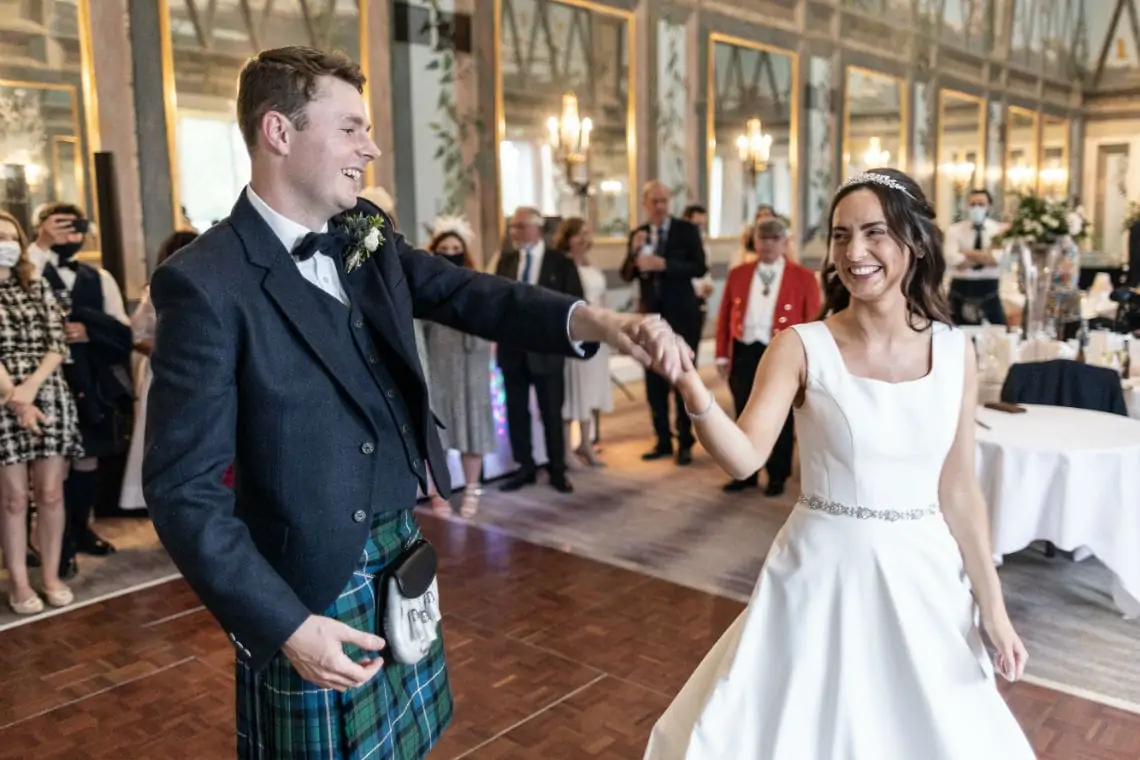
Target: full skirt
859	643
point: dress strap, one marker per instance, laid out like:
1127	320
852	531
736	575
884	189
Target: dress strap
819	348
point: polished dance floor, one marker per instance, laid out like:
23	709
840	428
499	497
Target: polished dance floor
554	656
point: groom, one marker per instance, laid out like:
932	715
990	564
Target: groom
284	344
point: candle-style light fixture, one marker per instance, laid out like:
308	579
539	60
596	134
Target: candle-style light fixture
875	156
569	136
755	147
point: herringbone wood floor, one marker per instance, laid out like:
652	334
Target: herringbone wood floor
553	657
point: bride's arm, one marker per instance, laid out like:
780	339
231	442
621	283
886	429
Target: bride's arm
964	506
742	447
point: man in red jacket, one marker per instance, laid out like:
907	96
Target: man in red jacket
760	299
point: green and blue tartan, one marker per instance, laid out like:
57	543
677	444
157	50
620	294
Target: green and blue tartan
398	715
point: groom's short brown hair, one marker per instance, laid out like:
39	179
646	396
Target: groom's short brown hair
286	80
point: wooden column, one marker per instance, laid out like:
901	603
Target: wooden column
475	99
117	127
376	57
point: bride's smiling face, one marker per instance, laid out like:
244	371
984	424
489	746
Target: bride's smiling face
869	260
330	151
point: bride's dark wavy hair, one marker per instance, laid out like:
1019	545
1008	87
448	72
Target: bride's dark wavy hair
911	224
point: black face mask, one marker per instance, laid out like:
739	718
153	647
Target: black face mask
66	250
454	258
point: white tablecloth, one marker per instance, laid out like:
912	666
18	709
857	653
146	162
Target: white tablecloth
1068	476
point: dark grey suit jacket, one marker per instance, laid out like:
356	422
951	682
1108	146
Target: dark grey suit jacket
243	374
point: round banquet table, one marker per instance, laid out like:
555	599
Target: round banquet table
1068	476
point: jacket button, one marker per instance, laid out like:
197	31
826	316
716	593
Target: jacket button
783	320
787	307
358	323
367	447
372	359
358	516
406	428
390	393
415	464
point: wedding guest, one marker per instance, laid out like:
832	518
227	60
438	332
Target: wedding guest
975	262
460	377
98	373
588	391
142	331
38	429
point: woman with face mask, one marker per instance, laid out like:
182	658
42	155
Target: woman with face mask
459	377
38	423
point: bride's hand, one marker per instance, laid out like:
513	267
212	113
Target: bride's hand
668	353
1010	656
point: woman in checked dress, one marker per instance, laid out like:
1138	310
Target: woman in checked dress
860	641
38	431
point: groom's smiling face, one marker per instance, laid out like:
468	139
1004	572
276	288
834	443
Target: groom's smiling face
328	156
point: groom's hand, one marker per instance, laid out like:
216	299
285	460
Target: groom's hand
316	650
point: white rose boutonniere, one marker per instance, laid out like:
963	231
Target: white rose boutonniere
364	237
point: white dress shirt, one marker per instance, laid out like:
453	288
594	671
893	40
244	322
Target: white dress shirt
320	270
760	316
112	297
960	237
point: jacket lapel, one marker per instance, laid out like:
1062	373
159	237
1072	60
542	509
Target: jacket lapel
370	287
294	297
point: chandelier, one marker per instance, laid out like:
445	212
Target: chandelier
755	147
875	156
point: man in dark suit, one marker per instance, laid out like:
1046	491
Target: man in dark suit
664	256
284	344
531	262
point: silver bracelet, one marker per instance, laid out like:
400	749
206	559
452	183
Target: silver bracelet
705	413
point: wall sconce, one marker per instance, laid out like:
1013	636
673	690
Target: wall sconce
755	148
875	156
570	140
1053	180
1020	177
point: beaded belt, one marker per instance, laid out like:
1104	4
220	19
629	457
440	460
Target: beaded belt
863	513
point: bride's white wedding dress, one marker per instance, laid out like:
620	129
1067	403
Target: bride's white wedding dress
860	640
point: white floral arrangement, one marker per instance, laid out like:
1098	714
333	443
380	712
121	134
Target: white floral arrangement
1040	220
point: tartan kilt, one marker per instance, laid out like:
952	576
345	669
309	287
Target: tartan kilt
398	715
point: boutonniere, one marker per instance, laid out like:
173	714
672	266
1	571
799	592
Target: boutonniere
364	237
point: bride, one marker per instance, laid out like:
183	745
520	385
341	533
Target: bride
861	640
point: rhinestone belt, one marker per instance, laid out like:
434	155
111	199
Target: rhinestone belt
863	513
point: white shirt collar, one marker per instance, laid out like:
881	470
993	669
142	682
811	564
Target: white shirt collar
776	266
286	230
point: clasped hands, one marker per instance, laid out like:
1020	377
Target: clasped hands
21	400
651	341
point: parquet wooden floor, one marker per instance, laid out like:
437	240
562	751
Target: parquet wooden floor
553	657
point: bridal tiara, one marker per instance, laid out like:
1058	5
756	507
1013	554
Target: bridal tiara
871	178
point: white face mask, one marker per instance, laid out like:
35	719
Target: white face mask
9	253
978	214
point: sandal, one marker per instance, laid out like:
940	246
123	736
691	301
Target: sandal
33	605
587	456
470	504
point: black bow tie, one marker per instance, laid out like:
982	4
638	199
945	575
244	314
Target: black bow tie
329	243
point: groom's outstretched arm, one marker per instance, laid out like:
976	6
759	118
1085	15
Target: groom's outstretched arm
492	307
190	441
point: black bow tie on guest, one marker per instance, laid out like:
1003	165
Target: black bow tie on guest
330	243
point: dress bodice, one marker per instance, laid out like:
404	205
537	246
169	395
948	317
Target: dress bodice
875	444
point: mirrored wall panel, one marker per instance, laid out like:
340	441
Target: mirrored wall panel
961	152
1020	152
206	51
40	156
1053	177
1111	201
752	133
567	111
874	120
46	84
